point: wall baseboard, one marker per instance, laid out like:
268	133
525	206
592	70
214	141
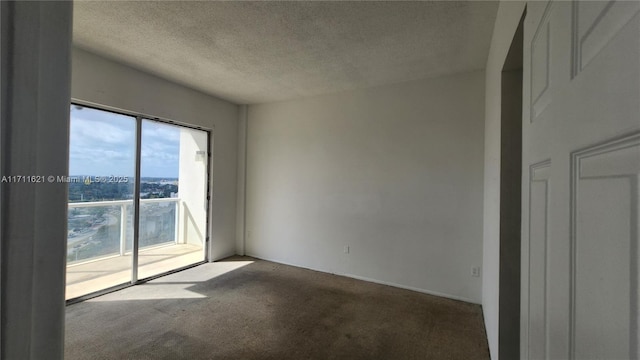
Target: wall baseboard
424	291
363	278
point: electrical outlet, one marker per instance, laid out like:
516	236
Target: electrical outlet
475	271
346	249
248	234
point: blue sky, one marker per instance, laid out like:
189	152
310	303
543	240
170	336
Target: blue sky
103	143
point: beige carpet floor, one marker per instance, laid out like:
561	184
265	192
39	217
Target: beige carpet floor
244	308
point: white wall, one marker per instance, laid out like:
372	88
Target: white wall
507	20
192	175
242	167
104	82
393	172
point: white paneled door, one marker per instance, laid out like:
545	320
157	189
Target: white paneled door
581	166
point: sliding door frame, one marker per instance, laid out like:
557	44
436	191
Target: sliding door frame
136	199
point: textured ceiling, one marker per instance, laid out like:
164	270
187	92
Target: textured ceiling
255	52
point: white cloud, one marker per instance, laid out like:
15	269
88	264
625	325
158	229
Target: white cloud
103	143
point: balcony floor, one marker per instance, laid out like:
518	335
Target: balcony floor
92	276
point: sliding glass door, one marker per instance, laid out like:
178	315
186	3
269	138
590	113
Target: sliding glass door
173	202
121	227
100	214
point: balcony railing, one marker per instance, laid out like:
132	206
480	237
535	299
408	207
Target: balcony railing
92	225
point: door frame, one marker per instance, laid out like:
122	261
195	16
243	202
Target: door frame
136	199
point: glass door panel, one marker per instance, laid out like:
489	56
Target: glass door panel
173	180
102	157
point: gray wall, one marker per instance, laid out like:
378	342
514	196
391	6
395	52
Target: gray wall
507	20
100	81
510	213
393	172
